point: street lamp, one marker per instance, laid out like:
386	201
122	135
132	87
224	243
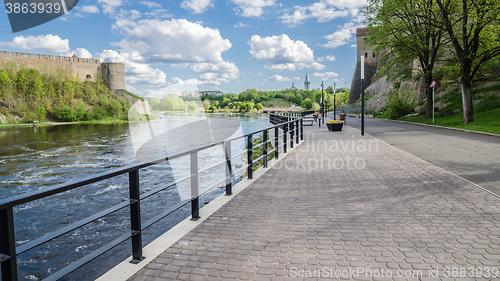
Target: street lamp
323	102
334	103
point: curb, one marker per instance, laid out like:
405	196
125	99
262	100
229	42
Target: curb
442	127
125	270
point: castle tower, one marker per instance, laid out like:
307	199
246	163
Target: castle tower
307	83
113	74
371	60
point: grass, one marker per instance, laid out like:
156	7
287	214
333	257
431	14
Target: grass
486	121
107	120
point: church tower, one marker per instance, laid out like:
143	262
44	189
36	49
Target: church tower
307	83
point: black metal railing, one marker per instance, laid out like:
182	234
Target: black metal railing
8	251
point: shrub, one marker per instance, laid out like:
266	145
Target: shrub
399	105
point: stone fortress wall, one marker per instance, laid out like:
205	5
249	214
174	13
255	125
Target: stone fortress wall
112	73
371	62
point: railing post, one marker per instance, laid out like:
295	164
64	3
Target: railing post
276	142
250	157
285	132
264	148
229	174
292	131
301	129
297	131
135	217
8	245
195	202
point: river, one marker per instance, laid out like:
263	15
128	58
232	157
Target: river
33	159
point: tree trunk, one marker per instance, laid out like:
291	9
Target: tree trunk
428	100
465	86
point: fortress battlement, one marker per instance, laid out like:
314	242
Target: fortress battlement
20	55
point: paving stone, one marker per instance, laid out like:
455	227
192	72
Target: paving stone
383	209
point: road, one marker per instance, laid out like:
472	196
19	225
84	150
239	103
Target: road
472	156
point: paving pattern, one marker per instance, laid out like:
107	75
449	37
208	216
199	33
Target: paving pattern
343	207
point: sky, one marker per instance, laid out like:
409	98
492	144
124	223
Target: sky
187	45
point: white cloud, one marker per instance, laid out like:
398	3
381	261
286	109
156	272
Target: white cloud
342	36
313	65
354	46
173	41
281	67
345	4
330	58
109	6
297	78
241	25
150	4
196	6
325	75
280	49
44	43
220	67
278	78
89	9
79	52
253	8
135	72
319	10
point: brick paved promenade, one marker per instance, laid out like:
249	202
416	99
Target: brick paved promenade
383	210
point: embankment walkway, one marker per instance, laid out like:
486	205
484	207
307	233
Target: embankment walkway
342	204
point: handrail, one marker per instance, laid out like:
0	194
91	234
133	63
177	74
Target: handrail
290	123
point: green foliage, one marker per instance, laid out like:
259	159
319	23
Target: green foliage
41	113
315	106
132	94
58	96
488	102
399	105
307	103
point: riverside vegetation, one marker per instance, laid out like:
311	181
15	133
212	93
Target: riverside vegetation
250	99
28	95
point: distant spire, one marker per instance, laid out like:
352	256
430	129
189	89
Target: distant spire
307	83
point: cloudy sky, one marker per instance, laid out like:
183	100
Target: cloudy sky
227	45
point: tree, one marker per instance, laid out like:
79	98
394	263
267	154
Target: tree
473	27
407	31
259	106
206	104
307	103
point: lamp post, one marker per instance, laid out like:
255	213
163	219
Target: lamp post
334	103
323	102
362	96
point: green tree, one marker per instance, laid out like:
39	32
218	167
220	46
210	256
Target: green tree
307	103
407	31
473	27
206	104
155	104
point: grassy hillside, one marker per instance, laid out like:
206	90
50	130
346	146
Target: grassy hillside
486	98
27	95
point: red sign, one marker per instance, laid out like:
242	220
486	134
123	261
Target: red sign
434	84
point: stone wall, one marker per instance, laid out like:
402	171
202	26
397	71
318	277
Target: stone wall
113	73
371	63
86	69
142	107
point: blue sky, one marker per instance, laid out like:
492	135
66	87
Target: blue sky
184	45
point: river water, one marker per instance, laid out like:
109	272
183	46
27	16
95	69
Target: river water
33	159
